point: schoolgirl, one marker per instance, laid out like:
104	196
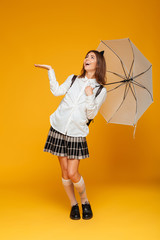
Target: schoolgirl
67	134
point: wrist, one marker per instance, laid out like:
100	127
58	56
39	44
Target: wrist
49	67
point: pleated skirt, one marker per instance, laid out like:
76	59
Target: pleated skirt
64	145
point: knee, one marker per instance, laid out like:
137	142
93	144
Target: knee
72	174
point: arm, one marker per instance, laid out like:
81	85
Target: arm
93	104
54	85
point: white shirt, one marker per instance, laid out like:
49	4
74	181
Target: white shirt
76	107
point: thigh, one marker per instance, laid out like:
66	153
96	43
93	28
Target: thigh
73	165
64	165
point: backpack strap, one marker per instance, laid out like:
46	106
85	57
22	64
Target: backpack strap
97	93
99	90
73	79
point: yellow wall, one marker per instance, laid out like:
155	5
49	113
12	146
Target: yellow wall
59	33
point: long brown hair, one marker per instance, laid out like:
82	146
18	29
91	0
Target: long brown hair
100	73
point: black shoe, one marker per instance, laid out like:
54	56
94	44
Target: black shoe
74	214
86	210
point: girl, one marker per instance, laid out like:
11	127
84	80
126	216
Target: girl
68	130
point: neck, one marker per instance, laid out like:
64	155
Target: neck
90	74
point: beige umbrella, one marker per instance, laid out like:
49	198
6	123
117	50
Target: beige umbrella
129	82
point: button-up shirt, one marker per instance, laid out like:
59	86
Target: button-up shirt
76	107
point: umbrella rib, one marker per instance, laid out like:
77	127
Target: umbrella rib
117	56
142	73
130	68
117	74
132	92
136	103
116	87
133	58
112	83
140	85
125	94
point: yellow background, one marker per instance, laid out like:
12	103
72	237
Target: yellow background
33	202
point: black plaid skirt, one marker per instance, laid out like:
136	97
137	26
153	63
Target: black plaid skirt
63	145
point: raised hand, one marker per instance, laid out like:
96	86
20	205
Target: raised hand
48	67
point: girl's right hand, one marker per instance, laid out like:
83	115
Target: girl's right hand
48	67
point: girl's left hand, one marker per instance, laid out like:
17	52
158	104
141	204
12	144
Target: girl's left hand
89	90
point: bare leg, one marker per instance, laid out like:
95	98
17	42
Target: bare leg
64	166
72	170
77	179
67	183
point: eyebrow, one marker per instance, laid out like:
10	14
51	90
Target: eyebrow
91	55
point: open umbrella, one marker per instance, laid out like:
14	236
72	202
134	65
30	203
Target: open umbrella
129	82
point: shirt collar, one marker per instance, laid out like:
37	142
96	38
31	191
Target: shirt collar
90	79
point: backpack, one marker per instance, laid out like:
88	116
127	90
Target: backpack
97	93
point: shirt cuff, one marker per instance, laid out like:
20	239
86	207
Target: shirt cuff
51	70
51	74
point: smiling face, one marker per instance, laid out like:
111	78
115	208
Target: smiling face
90	62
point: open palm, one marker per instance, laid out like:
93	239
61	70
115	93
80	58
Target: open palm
48	67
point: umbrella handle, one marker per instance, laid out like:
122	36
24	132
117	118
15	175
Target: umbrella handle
134	130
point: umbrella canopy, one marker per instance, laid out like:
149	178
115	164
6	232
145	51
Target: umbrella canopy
129	82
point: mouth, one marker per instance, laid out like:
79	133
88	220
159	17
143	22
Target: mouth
87	64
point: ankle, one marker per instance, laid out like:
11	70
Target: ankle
73	203
84	201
